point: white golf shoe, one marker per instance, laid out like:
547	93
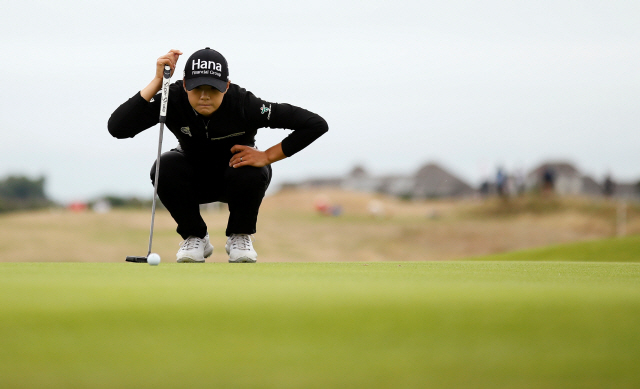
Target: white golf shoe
194	250
240	249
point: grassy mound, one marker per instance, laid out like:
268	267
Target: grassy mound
606	250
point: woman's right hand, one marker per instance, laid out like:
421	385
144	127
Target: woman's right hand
171	59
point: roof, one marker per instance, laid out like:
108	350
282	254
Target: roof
433	181
358	172
558	168
590	186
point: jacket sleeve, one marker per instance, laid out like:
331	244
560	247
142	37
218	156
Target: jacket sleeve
307	126
134	116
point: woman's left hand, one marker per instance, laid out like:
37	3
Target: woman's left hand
248	156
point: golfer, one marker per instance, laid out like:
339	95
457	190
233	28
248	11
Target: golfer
215	122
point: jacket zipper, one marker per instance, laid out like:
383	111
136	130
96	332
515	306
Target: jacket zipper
229	136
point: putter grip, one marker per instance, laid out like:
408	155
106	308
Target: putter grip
166	77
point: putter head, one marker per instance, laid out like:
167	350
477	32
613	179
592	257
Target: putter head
137	259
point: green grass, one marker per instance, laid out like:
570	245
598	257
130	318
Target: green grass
606	250
475	324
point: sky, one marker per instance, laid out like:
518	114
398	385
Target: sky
471	85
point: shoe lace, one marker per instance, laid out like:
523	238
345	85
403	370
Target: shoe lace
192	242
241	241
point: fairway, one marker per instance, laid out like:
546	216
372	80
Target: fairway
480	324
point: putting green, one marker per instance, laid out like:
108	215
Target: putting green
478	324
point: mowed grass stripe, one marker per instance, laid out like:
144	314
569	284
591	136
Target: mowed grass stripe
319	325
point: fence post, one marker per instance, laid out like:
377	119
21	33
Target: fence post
621	219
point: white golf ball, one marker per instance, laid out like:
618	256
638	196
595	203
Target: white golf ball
153	259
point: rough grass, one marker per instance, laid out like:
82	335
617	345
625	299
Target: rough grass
320	325
290	230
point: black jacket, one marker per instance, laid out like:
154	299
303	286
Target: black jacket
236	121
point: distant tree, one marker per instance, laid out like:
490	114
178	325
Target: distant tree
22	188
20	192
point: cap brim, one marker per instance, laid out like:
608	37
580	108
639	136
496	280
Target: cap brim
214	82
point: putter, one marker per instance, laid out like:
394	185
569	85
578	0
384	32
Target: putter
166	76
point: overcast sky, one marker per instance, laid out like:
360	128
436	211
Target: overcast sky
470	84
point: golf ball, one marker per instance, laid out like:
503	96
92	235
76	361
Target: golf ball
153	259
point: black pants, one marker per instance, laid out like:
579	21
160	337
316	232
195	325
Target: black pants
184	185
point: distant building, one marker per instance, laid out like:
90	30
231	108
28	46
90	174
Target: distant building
399	186
433	181
570	181
627	191
429	181
590	187
567	180
360	180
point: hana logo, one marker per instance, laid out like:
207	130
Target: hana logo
206	67
264	109
186	130
201	64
